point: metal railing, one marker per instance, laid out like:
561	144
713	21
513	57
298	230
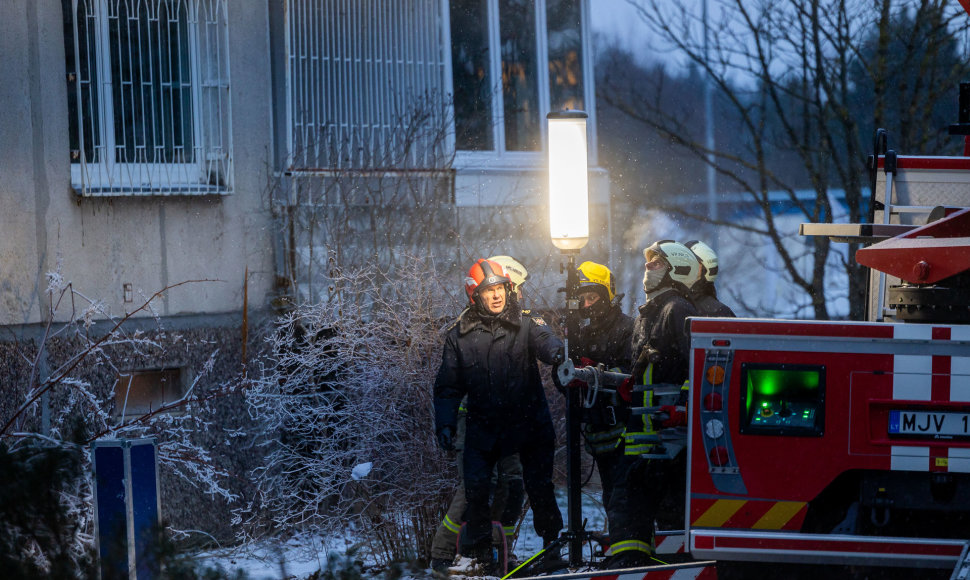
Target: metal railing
365	84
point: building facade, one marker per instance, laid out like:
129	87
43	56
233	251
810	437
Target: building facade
227	151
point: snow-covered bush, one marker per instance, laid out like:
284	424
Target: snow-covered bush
346	406
59	397
38	530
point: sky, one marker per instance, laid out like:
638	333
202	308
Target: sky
617	19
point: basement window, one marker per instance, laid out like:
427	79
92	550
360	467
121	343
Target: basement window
143	391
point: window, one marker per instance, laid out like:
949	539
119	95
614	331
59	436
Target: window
140	392
782	399
148	96
365	85
501	91
566	86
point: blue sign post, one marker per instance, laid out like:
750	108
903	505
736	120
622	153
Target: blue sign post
127	505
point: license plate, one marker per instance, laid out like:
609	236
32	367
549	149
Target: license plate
929	423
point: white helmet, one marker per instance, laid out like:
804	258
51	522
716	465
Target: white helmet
684	266
707	257
513	269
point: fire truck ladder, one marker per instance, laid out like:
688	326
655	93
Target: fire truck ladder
902	217
889	167
926	255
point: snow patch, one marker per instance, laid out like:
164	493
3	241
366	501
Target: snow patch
361	471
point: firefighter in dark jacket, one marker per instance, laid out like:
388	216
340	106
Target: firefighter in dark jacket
604	337
702	292
509	493
490	356
661	351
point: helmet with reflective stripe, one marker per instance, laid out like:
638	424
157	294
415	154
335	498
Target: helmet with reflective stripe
513	269
597	277
706	256
482	274
684	266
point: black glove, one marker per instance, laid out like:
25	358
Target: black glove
558	358
555	377
647	355
446	439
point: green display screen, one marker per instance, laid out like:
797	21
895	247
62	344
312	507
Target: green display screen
782	399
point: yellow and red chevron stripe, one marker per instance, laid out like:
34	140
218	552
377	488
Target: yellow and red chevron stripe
747	514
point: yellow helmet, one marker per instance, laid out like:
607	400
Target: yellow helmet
513	269
593	276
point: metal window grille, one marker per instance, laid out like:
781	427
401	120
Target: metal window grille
365	84
148	86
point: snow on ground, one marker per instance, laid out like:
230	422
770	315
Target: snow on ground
301	557
297	558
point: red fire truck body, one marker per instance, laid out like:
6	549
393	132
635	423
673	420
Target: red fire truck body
839	443
807	438
846	442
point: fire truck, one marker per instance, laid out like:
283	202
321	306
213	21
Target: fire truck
839	448
847	443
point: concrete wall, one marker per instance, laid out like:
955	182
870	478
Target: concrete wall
148	242
102	244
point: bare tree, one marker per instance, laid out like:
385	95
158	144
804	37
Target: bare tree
375	200
804	82
346	407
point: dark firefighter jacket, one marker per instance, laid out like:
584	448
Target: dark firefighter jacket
660	337
605	340
492	360
661	347
704	296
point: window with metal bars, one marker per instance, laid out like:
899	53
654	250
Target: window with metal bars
366	85
148	96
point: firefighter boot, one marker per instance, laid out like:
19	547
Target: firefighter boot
439	566
483	561
552	559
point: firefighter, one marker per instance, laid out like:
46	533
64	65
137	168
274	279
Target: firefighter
604	337
490	355
702	292
661	350
509	494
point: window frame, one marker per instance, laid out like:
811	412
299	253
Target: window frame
105	175
500	157
123	408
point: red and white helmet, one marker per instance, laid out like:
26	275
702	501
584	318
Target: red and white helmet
485	273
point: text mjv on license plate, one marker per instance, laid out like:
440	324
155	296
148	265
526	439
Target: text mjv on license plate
929	423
